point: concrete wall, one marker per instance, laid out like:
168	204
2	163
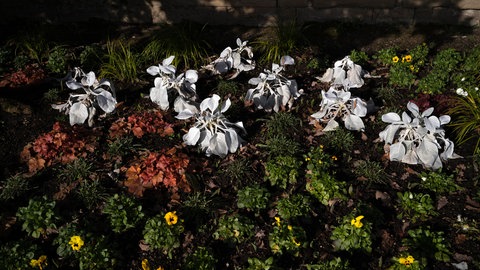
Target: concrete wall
243	12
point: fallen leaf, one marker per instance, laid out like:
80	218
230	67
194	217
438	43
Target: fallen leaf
442	202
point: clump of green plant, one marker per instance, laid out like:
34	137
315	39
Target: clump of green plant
281	145
163	233
121	62
340	140
34	45
183	40
334	264
427	245
123	212
57	60
370	171
259	264
120	146
415	206
253	198
201	259
282	170
279	40
90	57
51	95
38	217
321	184
63	239
199	207
384	56
234	229
466	118
14	187
77	170
283	123
445	62
296	205
17	254
228	88
352	234
359	57
97	253
91	193
438	182
238	172
388	94
285	237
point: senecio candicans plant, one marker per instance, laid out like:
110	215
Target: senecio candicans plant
345	73
338	102
166	82
212	131
341	104
98	95
417	140
273	90
233	59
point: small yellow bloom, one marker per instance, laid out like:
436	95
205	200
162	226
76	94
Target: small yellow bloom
412	68
307	159
295	242
406	261
277	220
289	227
160	268
334	158
395	59
321	146
320	162
171	218
42	261
76	242
356	222
408	58
145	265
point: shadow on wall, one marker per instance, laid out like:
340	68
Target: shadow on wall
101	17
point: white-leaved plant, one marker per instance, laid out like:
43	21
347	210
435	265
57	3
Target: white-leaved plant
417	139
239	59
340	104
166	81
272	90
97	95
212	131
345	73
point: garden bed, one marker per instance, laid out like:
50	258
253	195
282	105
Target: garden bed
292	196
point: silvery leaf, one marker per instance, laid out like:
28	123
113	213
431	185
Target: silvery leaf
106	101
185	114
168	61
410	157
191	138
226	52
191	76
353	122
232	140
391	117
359	107
406	118
159	96
225	105
427	152
444	119
73	85
153	70
210	103
331	125
287	60
427	112
327	76
354	76
180	104
413	108
222	67
397	151
78	113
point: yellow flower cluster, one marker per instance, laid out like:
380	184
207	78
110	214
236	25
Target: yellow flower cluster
357	222
146	265
76	242
42	261
406	58
171	218
407	260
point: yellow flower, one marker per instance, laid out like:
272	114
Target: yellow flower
277	220
295	242
42	261
160	268
171	218
408	58
76	242
356	222
412	68
395	59
289	227
145	265
406	261
307	159
334	158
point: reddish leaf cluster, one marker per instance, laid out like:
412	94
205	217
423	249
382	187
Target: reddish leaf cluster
166	169
58	145
29	75
140	124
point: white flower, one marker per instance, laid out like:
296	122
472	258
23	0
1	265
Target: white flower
461	92
345	73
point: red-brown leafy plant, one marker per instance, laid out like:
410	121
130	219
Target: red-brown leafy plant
28	75
60	145
166	168
140	124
